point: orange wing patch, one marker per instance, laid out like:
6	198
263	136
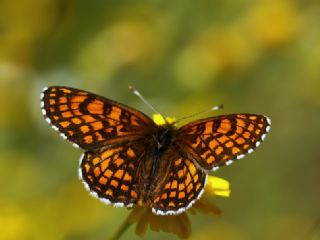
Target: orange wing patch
91	121
95	107
219	140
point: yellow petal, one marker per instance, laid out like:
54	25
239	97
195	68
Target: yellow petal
160	120
171	119
217	186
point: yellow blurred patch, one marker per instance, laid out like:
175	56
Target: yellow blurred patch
274	23
15	222
160	120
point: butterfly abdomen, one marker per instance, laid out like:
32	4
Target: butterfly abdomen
157	164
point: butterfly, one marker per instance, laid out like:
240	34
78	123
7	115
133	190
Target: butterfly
129	159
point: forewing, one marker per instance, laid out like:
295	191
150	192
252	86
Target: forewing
220	140
91	121
184	184
111	173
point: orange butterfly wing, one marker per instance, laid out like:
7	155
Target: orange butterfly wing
211	142
183	186
111	174
220	140
91	121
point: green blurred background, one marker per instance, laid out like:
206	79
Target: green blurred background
184	56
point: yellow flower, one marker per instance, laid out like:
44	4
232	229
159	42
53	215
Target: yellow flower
177	224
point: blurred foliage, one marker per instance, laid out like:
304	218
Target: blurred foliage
184	56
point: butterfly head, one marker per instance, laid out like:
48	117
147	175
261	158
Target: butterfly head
160	120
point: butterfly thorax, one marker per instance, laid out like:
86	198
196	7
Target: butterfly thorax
157	164
163	137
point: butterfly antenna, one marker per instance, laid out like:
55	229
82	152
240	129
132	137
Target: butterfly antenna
137	93
214	108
